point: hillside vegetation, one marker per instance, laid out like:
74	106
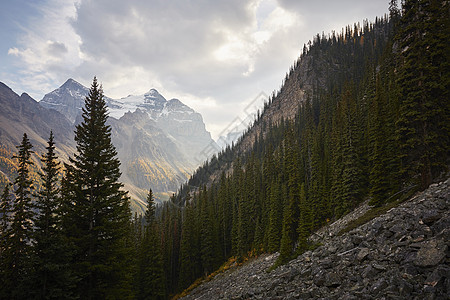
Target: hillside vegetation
363	114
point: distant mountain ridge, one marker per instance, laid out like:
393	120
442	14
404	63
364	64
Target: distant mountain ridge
180	122
159	142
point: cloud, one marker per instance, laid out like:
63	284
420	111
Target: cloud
48	49
56	49
13	51
213	55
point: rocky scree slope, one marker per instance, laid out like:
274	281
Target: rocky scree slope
403	254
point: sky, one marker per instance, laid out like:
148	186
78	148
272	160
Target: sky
216	56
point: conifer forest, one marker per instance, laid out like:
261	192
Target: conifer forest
375	127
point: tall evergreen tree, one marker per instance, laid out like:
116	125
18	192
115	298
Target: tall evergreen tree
423	79
150	268
52	275
190	265
5	243
19	252
97	212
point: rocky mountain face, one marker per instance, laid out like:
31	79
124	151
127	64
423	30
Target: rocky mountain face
159	142
22	114
148	156
402	254
68	99
179	122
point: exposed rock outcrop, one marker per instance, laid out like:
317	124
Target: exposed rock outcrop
402	254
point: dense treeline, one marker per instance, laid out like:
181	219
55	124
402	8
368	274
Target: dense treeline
375	126
68	238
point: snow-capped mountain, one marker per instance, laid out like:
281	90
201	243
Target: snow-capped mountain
159	141
156	106
69	99
181	123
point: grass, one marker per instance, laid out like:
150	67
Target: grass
280	261
377	211
231	262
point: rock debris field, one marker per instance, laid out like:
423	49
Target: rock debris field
402	254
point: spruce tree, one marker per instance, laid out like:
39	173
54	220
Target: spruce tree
190	265
423	79
304	223
275	218
52	276
150	211
97	214
5	214
19	254
207	245
5	243
150	268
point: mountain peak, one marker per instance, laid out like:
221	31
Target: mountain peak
152	92
72	83
152	97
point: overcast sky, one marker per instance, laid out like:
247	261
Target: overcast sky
213	55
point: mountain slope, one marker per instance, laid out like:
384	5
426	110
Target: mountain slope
401	254
20	114
149	158
177	120
159	142
357	129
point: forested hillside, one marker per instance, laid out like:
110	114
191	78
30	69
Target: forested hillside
372	123
363	115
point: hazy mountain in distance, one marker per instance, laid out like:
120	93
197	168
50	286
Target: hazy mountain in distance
159	142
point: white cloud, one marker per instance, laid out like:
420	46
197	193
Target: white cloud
49	48
212	55
14	51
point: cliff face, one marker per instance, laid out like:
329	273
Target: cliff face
402	254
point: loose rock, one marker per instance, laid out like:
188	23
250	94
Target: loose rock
402	254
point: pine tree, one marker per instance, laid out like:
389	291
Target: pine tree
304	223
97	212
207	245
5	214
52	275
275	218
189	247
21	236
150	268
150	211
5	243
423	78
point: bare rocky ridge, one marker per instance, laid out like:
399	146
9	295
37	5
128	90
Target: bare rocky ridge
403	254
159	142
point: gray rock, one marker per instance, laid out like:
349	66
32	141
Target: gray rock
379	267
362	254
402	254
319	278
379	285
369	272
437	278
332	280
430	216
441	224
431	253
